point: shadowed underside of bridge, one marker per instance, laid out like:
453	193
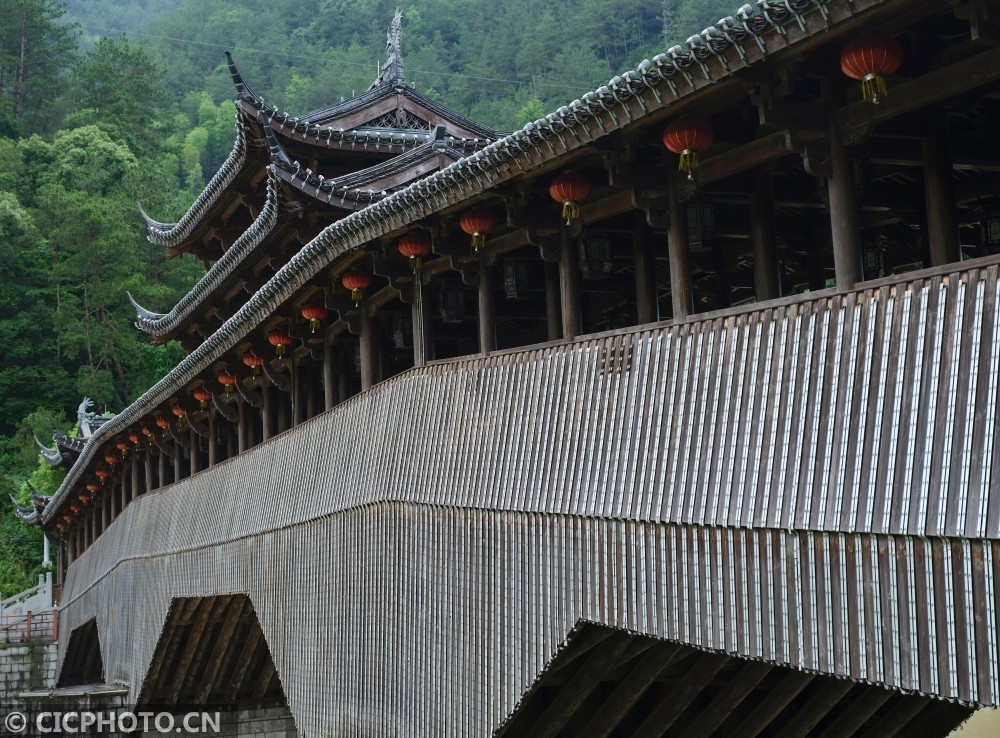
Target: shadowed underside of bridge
811	486
609	682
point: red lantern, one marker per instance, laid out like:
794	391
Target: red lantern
102	474
178	411
146	431
162	422
227	380
871	60
415	245
687	138
357	281
253	361
134	437
68	518
478	223
280	340
93	488
202	395
570	189
74	508
83	498
59	526
314	312
111	458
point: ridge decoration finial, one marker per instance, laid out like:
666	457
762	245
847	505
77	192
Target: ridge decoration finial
392	70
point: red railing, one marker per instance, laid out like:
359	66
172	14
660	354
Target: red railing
32	626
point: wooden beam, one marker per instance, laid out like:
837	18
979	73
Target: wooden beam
218	657
903	711
617	705
817	707
579	687
760	151
267	674
236	679
182	671
727	699
778	697
850	720
857	119
681	695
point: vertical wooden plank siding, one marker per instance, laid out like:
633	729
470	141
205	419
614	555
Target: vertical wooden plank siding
811	484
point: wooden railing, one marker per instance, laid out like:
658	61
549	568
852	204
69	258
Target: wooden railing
32	626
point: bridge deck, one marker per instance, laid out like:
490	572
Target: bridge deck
810	484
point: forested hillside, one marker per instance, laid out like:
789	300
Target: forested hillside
105	102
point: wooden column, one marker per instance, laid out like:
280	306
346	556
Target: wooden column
162	469
420	320
939	192
368	358
296	393
178	460
194	462
843	212
134	492
242	428
681	292
106	509
767	276
213	439
59	562
284	405
569	283
344	367
553	319
645	275
487	309
310	379
329	373
267	411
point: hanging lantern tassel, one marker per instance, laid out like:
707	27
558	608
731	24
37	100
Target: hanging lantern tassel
570	211
478	241
686	138
688	162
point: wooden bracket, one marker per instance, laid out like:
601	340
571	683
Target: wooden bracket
276	377
227	412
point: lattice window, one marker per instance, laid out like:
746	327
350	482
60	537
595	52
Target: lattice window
390	120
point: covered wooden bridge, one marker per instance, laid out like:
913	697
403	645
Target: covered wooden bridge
714	456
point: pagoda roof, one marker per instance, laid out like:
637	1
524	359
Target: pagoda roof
220	276
358	189
218	195
753	37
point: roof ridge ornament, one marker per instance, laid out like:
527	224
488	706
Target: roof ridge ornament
242	88
392	70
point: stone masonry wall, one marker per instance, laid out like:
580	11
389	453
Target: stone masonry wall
25	667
